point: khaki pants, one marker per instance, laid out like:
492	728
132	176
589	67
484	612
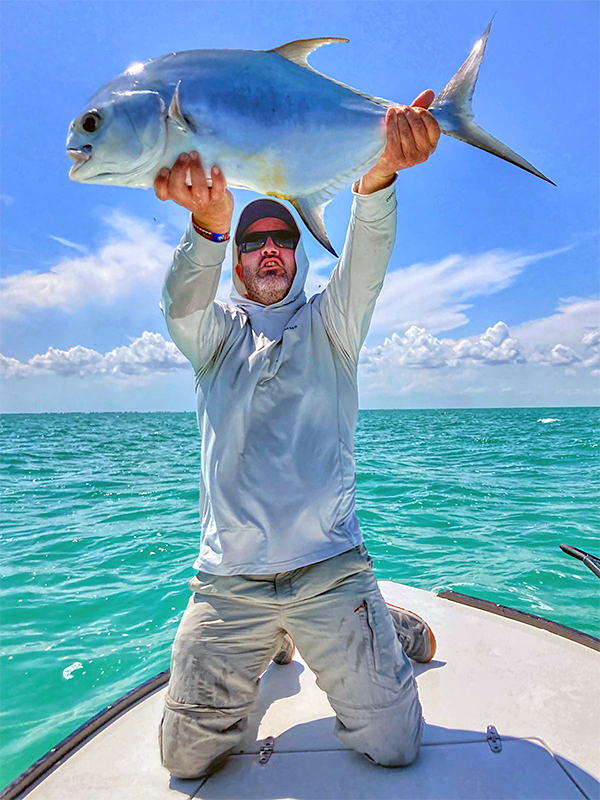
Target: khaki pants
234	625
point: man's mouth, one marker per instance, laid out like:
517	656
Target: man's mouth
270	264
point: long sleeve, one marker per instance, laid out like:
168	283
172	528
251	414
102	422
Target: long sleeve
348	301
197	324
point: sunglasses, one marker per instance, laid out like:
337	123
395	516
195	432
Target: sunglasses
257	240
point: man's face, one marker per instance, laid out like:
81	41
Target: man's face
267	273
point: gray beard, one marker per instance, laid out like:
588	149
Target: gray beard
265	290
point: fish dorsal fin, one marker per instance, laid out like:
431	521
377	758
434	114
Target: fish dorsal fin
299	51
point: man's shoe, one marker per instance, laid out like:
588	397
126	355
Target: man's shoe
414	634
286	654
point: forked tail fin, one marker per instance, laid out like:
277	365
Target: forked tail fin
452	110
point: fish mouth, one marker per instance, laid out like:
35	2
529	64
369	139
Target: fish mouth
81	159
87	178
80	155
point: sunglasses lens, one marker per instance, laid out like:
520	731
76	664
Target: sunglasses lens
286	240
257	240
250	245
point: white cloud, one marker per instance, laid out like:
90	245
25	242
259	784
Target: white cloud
415	352
6	199
420	349
68	243
436	295
135	255
13	368
574	318
148	354
418	367
494	347
591	339
561	355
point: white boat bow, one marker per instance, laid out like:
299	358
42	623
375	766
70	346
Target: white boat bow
512	711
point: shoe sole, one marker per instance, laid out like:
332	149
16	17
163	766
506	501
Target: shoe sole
432	639
288	660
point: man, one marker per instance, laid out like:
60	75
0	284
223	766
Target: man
281	557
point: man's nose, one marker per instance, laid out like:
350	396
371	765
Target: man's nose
270	247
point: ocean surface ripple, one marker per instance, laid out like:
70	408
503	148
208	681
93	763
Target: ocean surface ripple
100	529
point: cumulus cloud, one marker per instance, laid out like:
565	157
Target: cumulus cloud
436	295
134	255
419	349
13	368
150	353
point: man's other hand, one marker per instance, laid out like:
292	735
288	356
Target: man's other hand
212	206
412	134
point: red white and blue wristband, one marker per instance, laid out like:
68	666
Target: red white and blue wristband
212	237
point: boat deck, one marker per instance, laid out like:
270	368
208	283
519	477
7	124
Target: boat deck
540	691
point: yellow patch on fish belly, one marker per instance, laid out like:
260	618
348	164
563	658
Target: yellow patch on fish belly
271	174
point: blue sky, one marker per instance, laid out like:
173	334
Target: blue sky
492	291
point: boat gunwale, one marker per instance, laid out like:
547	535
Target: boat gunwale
536	621
40	768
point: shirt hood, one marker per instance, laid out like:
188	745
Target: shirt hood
271	320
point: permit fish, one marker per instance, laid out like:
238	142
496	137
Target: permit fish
270	121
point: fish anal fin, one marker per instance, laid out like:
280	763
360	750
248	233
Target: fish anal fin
299	50
311	210
177	115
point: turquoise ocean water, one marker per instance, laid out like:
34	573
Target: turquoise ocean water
100	529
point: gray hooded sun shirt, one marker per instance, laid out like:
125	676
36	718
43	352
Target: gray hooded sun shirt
277	397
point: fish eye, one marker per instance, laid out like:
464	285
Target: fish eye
91	121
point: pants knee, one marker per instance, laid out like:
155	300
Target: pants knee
196	744
389	740
395	754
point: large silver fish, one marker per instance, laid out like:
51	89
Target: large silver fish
272	123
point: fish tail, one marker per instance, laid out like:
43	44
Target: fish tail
452	109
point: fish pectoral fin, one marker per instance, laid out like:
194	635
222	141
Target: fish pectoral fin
176	114
299	50
311	209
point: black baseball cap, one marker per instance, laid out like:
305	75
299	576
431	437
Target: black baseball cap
259	209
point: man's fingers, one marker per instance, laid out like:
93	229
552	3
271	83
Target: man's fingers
199	189
219	185
161	184
407	139
419	132
393	138
178	188
424	100
432	127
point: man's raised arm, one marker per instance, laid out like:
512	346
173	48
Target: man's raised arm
348	302
197	325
